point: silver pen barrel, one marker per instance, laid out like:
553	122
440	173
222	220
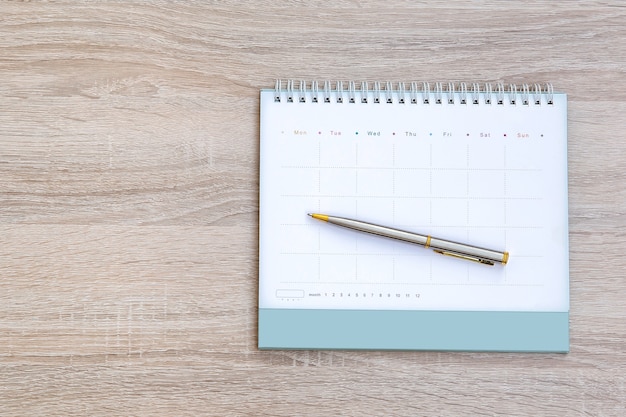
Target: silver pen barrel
379	230
441	246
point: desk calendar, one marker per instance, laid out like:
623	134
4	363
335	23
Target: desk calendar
480	164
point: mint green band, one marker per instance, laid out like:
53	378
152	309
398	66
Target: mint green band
414	330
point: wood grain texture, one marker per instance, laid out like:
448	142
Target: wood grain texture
129	204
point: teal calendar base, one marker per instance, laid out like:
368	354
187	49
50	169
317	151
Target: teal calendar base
504	331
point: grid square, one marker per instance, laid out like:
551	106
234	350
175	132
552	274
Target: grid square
299	152
486	155
487	213
412	211
299	238
338	268
296	267
374	182
452	184
449	212
374	269
447	156
300	181
337	153
486	184
374	210
523	213
370	153
411	183
413	265
411	154
338	182
524	184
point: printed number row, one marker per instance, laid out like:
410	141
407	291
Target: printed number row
371	295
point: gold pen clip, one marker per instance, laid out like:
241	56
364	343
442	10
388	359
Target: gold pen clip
466	257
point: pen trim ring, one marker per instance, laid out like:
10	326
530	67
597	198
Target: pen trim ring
427	245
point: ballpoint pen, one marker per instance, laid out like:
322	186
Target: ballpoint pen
441	246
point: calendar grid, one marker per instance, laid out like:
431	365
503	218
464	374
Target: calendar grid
361	193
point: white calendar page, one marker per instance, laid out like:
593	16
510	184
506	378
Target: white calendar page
484	174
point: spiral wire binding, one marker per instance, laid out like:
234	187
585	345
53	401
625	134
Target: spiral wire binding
500	93
463	93
426	93
401	93
377	92
475	93
413	93
389	92
339	89
525	94
438	94
512	93
488	91
352	92
315	90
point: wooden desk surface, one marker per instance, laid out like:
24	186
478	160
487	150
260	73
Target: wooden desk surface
129	202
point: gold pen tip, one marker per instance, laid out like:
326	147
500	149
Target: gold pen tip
322	217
